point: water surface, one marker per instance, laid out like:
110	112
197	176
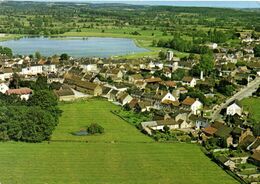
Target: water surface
74	46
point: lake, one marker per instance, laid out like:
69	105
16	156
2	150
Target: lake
74	46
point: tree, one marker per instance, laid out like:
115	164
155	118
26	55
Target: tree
15	81
178	74
64	57
46	100
225	87
41	83
207	63
162	55
38	55
257	51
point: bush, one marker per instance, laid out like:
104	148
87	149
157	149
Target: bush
95	128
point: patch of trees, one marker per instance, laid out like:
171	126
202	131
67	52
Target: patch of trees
257	51
206	65
6	51
225	87
29	121
195	45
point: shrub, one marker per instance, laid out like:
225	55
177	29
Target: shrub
95	128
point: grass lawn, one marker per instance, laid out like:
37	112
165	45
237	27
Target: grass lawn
135	158
79	115
253	106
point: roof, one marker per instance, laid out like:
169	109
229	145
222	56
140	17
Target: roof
188	101
7	70
222	159
170	102
21	91
236	102
256	143
144	104
209	130
137	76
132	103
153	80
169	83
217	124
64	92
247	141
224	131
187	79
167	122
105	90
256	155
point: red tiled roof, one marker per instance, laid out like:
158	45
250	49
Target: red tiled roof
21	91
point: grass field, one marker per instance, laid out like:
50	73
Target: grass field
253	106
134	158
81	114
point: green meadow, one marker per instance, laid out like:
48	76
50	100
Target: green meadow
121	155
253	106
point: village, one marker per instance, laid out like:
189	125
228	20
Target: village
178	106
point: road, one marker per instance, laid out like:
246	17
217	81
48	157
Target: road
243	93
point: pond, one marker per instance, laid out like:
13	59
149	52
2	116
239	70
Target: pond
74	46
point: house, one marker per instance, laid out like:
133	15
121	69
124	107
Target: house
189	81
85	87
124	98
3	88
65	93
199	121
24	93
169	84
6	73
135	78
255	145
171	123
143	106
89	67
227	162
255	158
112	95
132	103
209	131
168	98
234	108
224	133
105	91
192	104
153	80
50	68
115	74
32	70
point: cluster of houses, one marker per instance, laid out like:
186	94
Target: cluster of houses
136	85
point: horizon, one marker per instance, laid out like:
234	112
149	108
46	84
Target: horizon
180	3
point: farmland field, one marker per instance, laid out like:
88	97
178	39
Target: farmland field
121	155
